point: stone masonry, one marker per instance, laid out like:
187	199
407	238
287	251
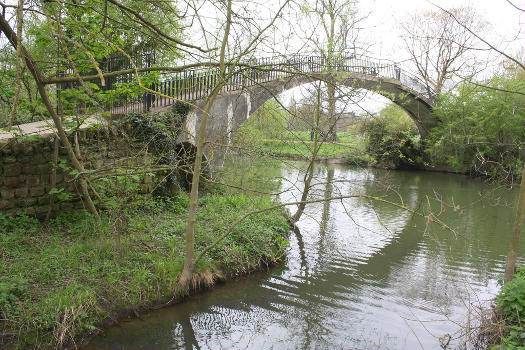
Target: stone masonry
27	171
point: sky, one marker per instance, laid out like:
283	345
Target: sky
503	21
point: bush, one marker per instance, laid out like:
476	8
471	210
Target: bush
159	132
21	222
393	139
511	299
511	303
481	129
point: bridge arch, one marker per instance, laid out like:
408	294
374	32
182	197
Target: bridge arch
250	88
417	106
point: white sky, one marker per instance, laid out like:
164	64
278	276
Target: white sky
504	21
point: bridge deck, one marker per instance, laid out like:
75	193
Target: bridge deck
47	127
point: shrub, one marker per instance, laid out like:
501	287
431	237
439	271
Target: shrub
511	303
481	129
20	222
392	139
511	299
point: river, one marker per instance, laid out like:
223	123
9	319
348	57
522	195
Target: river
362	273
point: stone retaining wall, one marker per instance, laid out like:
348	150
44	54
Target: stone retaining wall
27	171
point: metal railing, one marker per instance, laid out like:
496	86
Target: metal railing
198	83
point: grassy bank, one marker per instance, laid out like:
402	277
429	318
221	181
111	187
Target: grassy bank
349	148
62	280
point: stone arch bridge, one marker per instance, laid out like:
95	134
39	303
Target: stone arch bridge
257	81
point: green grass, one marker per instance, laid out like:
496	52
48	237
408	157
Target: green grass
343	136
348	137
349	147
61	280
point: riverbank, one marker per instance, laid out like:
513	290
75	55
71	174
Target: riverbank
349	152
64	280
338	153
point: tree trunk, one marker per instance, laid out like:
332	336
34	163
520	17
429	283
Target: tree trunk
332	120
310	170
189	262
331	134
18	66
510	267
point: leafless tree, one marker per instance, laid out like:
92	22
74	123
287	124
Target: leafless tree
439	46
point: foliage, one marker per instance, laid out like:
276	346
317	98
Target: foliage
392	139
61	194
30	107
481	130
65	36
67	277
268	122
511	303
159	132
181	109
511	299
90	97
20	221
85	28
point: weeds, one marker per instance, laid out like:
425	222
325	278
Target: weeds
500	326
511	305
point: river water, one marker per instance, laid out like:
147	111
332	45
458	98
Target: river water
362	273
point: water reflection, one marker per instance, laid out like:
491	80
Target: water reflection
359	274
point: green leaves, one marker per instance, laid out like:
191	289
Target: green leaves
511	299
511	302
61	194
481	129
392	138
19	222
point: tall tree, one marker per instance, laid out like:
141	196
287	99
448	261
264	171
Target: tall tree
334	35
238	38
439	46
